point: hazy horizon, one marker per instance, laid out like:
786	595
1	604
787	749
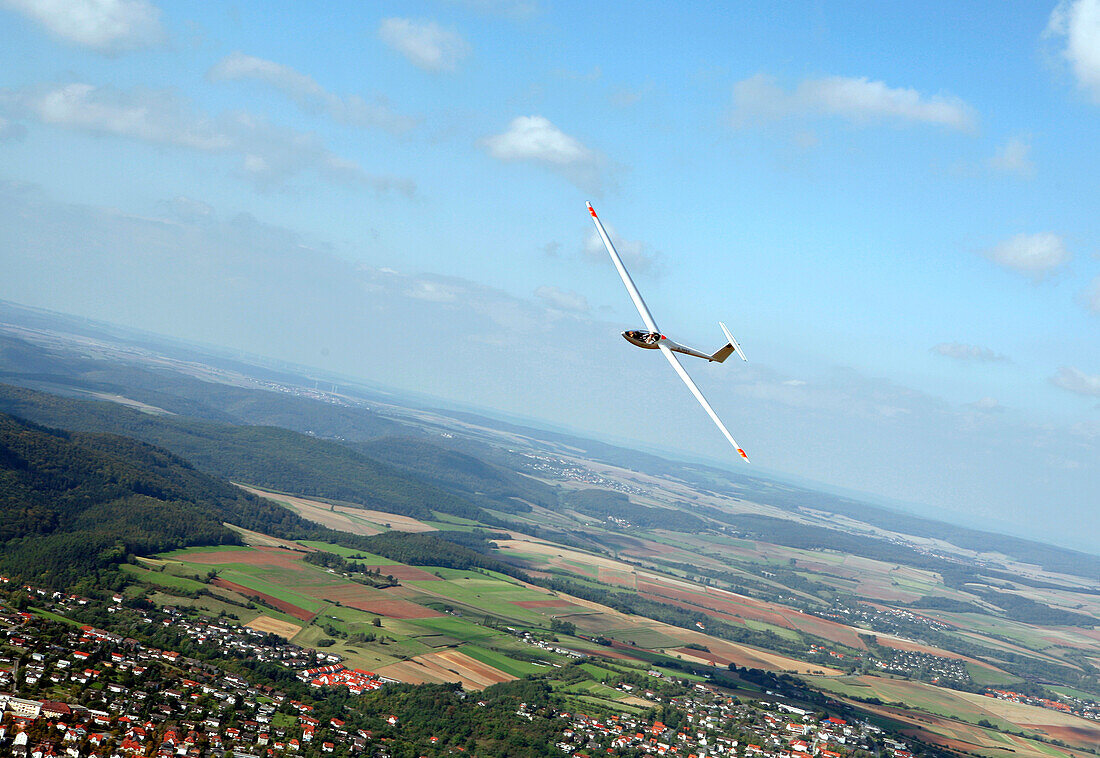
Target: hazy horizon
899	239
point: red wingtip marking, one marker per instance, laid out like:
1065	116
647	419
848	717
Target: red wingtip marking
592	211
742	454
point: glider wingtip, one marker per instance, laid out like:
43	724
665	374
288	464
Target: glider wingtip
591	209
742	454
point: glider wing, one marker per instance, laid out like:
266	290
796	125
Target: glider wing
647	317
702	400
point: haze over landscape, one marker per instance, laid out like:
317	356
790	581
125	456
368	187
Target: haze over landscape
902	241
316	420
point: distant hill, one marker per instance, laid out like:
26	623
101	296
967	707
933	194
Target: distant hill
270	457
62	372
479	480
72	503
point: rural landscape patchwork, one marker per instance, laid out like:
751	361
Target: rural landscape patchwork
207	555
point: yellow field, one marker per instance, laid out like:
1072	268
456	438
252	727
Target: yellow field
284	629
343	517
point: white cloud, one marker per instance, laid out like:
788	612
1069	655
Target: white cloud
636	255
426	44
1034	255
962	352
535	139
987	404
269	153
1077	381
859	100
1014	157
562	300
1078	21
106	26
309	95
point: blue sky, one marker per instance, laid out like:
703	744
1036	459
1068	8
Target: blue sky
892	205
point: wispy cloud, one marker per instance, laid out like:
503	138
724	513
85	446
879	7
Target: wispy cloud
1077	381
268	153
1034	255
309	95
963	352
426	44
858	100
635	254
106	26
534	139
562	300
1091	296
1013	157
10	132
1078	23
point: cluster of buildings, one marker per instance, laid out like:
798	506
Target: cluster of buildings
935	668
556	468
119	698
712	725
888	620
1088	709
357	681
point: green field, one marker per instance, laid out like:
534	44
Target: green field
501	661
164	578
988	678
369	559
913	694
53	616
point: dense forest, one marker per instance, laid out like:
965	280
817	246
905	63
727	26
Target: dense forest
71	503
271	457
480	481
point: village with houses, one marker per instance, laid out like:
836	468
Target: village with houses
79	691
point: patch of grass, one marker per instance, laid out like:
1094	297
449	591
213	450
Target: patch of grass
164	578
451	626
1071	692
53	616
501	661
272	588
988	678
181	555
346	552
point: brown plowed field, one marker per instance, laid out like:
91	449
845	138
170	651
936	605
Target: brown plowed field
406	573
274	602
445	666
257	556
737	609
967	738
373	601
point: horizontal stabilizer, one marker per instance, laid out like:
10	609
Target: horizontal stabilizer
733	343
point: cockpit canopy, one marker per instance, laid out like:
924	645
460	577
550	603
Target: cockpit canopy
642	338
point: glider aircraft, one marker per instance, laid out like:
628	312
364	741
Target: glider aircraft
651	337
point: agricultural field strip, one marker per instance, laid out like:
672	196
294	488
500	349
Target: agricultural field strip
964	706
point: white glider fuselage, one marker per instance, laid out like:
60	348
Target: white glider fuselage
653	341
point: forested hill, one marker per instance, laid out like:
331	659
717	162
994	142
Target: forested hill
270	457
72	503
